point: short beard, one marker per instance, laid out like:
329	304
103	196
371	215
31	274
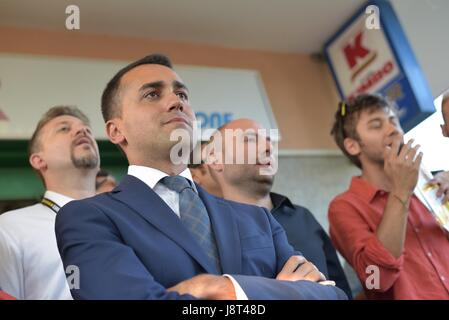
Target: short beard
377	159
262	184
266	179
85	162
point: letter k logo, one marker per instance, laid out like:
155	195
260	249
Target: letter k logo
355	51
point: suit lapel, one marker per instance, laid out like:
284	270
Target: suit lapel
226	232
142	199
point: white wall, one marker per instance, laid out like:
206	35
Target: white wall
426	25
30	85
314	180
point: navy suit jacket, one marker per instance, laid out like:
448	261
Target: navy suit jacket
128	244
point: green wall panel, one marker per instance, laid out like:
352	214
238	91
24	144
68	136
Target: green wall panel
19	181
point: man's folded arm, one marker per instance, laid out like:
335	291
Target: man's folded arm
361	246
265	288
259	288
108	269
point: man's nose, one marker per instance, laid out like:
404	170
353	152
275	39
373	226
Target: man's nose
267	144
82	130
392	130
269	147
266	148
176	103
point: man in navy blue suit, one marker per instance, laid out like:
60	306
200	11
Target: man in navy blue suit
160	236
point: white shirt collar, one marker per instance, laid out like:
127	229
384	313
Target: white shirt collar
59	199
151	176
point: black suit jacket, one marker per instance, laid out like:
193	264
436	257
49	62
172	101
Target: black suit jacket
306	235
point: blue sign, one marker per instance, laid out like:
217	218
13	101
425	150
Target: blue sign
213	119
371	54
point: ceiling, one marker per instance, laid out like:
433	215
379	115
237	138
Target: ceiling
281	26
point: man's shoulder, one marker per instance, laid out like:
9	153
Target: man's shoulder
18	215
96	200
290	208
305	214
348	204
350	195
283	204
301	210
82	208
359	191
22	223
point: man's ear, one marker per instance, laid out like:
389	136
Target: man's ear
37	162
444	130
352	146
215	161
114	131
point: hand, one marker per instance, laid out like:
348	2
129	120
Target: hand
206	286
402	169
298	268
442	181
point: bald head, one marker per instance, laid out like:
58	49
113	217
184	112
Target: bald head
236	132
243	124
242	160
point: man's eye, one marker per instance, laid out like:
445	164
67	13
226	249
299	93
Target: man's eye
375	125
183	95
151	94
64	129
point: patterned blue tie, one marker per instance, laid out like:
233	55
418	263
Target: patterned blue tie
194	216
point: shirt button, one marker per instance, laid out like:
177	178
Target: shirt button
416	230
443	278
429	254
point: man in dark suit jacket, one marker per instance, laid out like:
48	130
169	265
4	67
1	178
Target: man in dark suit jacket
138	242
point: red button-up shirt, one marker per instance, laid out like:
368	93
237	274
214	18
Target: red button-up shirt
421	272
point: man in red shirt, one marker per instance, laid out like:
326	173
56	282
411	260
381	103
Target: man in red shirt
388	236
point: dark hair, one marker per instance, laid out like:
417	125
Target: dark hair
57	111
110	106
347	117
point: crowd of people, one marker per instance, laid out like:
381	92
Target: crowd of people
213	229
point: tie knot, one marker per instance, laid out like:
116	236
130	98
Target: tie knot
176	183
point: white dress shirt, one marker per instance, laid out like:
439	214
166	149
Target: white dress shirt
151	177
30	265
